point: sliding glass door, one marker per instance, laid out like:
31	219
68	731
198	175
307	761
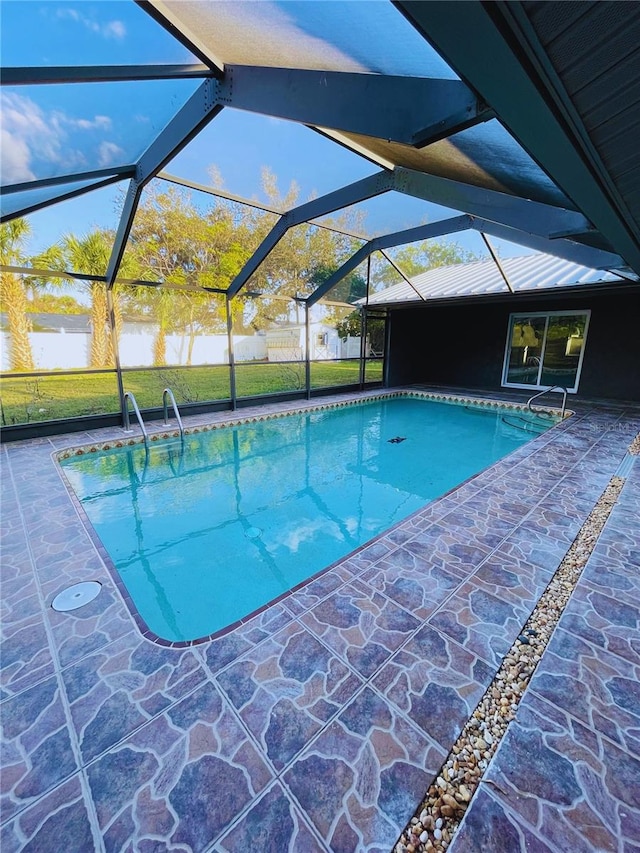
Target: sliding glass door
545	349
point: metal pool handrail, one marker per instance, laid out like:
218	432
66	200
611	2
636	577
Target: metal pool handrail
128	395
546	391
169	393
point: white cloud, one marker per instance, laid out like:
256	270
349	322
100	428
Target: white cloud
98	123
114	29
14	154
108	30
30	133
109	153
305	530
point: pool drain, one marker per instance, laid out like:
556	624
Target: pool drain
253	533
397	439
76	596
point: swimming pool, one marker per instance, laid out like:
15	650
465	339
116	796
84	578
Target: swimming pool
205	531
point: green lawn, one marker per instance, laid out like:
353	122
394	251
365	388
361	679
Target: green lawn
51	397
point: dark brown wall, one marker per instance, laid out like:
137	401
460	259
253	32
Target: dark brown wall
463	345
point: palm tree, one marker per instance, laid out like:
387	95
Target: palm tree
13	296
90	254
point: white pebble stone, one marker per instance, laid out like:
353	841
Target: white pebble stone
439	823
424	837
437	834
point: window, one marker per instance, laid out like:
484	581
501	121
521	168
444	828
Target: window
545	349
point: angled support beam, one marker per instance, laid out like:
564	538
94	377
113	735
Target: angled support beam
494	48
400	238
198	111
166	16
578	253
496	261
361	190
117	172
400	272
525	215
412	110
124	227
190	119
13	206
38	76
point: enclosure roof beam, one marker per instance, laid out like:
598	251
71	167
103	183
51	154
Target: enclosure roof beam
530	216
361	190
40	75
493	47
193	116
13	206
578	253
400	238
111	172
411	110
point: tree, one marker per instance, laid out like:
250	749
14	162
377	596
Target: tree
302	259
91	254
13	236
174	242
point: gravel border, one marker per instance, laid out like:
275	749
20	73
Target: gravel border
436	819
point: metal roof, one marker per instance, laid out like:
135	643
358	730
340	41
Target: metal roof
526	273
523	116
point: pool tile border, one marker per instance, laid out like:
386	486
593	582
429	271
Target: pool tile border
232	420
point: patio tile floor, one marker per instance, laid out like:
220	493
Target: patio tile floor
318	724
567	774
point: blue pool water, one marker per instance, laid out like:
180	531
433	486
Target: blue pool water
204	533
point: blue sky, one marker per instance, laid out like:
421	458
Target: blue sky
56	130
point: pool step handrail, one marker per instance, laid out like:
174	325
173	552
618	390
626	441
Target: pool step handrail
128	395
169	393
546	391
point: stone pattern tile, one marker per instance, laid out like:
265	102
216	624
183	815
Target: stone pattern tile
123	685
481	622
436	683
417	585
363	776
59	820
567	774
491	827
222	650
599	689
26	656
273	825
268	736
37	753
286	689
317	590
361	626
572	786
179	781
603	620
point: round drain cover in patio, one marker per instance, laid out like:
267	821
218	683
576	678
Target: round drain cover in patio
75	596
